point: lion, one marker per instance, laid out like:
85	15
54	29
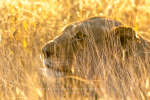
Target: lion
84	45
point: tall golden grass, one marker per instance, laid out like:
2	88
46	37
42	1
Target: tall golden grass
26	25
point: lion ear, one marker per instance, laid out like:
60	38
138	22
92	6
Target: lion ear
125	31
126	34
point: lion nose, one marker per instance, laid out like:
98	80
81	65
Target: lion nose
46	53
48	49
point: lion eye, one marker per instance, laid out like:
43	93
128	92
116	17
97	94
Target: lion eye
79	35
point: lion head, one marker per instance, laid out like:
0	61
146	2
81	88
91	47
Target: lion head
87	43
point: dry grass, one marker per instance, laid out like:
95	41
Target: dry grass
26	25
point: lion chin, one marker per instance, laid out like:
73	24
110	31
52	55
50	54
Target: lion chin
51	74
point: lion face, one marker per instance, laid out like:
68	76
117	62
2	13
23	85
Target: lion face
83	44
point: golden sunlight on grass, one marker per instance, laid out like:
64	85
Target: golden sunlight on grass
26	25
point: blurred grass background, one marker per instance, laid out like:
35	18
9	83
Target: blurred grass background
26	25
